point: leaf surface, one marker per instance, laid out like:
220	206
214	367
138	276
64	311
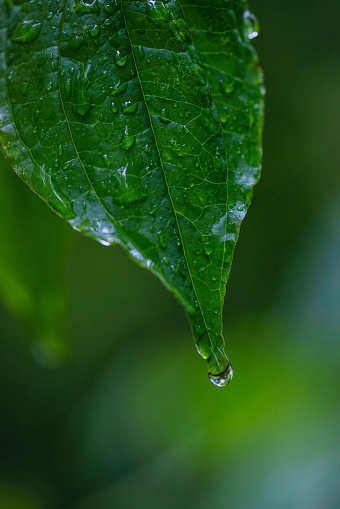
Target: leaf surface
107	113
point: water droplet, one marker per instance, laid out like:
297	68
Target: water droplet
60	150
164	120
27	31
107	161
95	31
75	43
227	86
108	22
162	242
208	247
128	143
141	52
108	9
68	88
24	88
114	108
158	13
120	90
223	116
82	102
122	61
223	378
86	6
130	110
251	24
67	165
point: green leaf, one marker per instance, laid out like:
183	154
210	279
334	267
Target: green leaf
107	113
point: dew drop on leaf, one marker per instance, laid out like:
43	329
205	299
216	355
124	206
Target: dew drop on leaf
164	120
121	90
131	109
95	31
26	31
87	7
122	62
141	52
108	9
75	43
114	108
251	25
128	143
162	242
82	102
68	88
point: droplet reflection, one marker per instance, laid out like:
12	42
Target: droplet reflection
223	378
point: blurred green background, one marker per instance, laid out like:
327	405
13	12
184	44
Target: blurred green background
130	420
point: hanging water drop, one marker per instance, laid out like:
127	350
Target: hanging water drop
223	378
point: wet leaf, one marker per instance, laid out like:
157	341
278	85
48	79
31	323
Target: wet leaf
139	123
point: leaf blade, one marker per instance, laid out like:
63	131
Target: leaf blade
132	151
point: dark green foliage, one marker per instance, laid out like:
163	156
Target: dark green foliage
139	123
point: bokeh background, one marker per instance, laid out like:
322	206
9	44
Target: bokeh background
104	402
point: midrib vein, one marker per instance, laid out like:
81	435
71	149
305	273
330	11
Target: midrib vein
164	175
227	181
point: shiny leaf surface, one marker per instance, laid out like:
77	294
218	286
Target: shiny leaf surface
139	123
